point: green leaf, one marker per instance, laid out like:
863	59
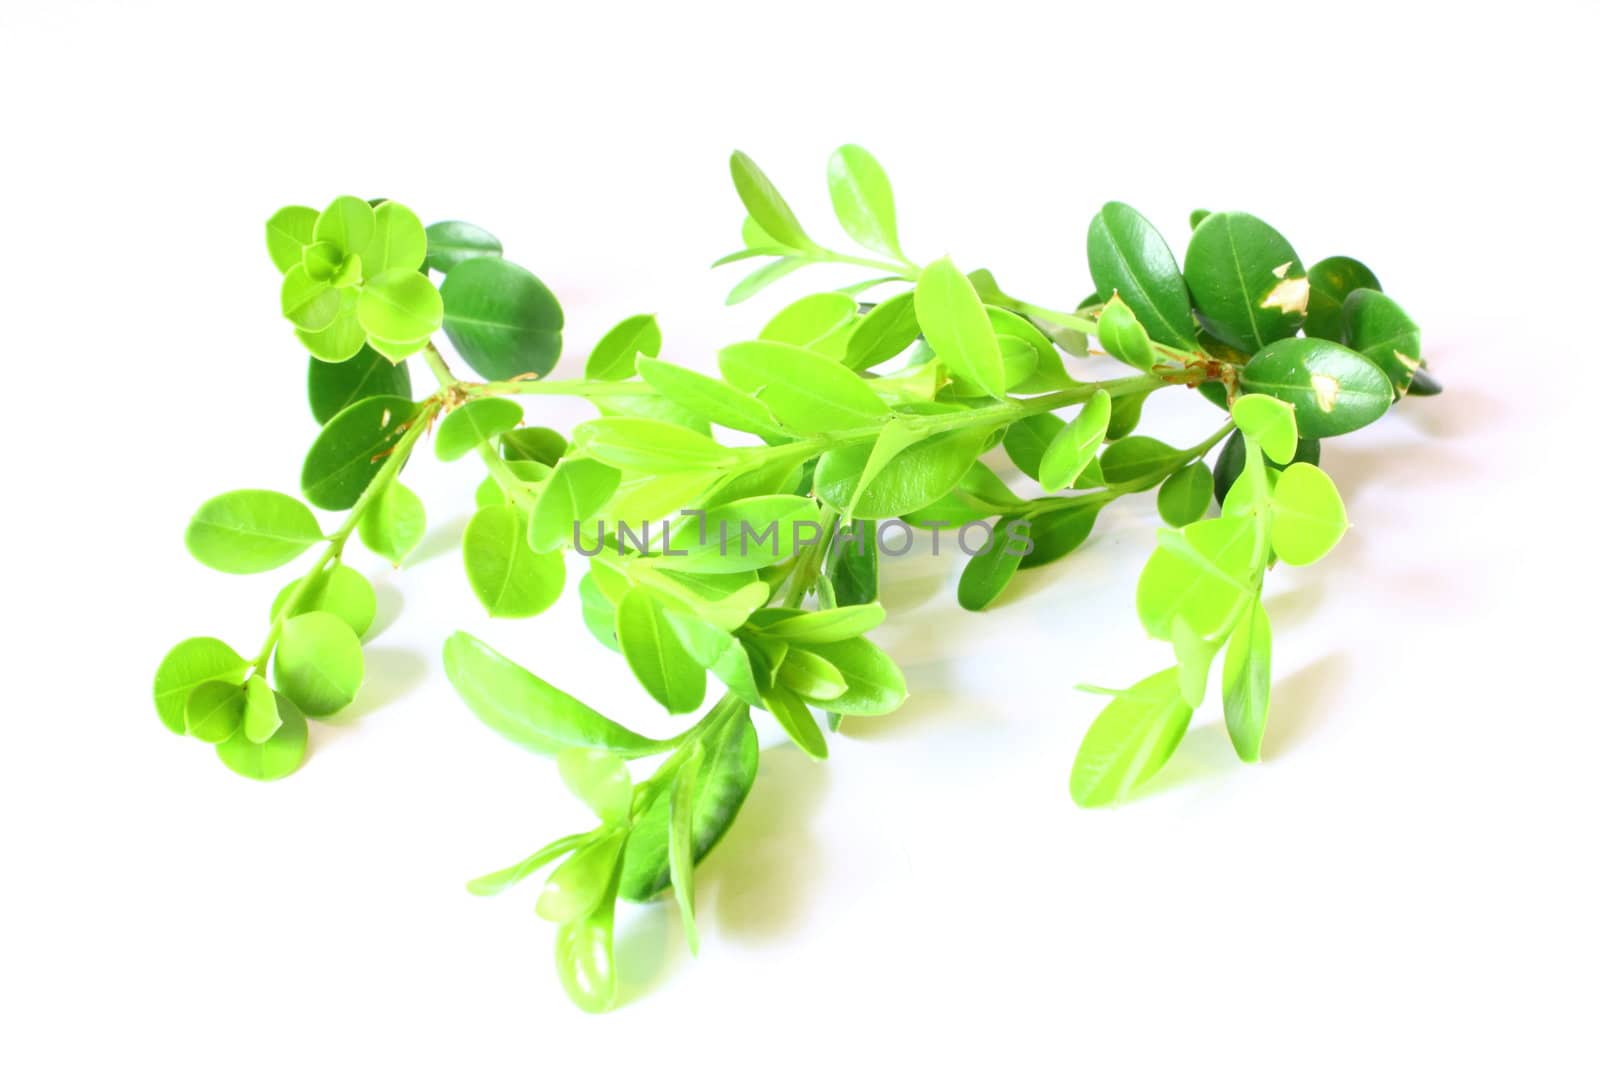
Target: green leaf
884	332
1185	495
1194	655
863	200
791	713
576	490
501	318
766	206
309	304
342	339
1125	412
278	756
529	711
453	243
318	663
1380	329
1333	389
1308	517
189	663
1248	286
400	307
717	401
474	423
1075	445
810	676
1268	422
250	530
398	241
916	477
340	590
599	614
1332	280
852	565
819	627
613	357
1127	257
810	319
656	655
1200	573
351	449
681	841
1424	384
261	717
498	881
347	222
537	444
581	884
1231	460
1057	532
987	574
957	327
1134	459
1130	740
585	962
332	387
1247	682
1049	373
742	536
1028	439
721	784
874	683
214	711
509	579
807	393
764	276
600	779
393	524
1123	336
650	447
288	232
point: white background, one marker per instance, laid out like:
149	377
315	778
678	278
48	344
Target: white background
1407	877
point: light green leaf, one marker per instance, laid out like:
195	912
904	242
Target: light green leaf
393	524
214	711
400	307
250	530
1199	573
681	842
797	721
1123	336
529	711
509	579
863	200
585	961
1194	654
340	590
1130	740
289	230
577	887
1247	682
1268	422
488	885
189	663
342	339
398	241
742	536
717	401
819	627
810	319
1308	518
1075	445
474	423
614	356
656	655
808	393
874	683
650	447
347	222
884	332
1028	439
1134	459
764	276
600	779
537	444
987	574
957	327
261	718
278	756
766	206
810	676
318	663
916	477
309	304
575	491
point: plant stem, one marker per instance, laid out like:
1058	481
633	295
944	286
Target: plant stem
336	540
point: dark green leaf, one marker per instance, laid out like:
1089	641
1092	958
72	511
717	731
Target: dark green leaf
451	243
333	387
987	574
1134	459
502	319
1127	257
1057	532
1185	495
1334	390
1332	280
351	449
533	443
1379	329
1248	286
